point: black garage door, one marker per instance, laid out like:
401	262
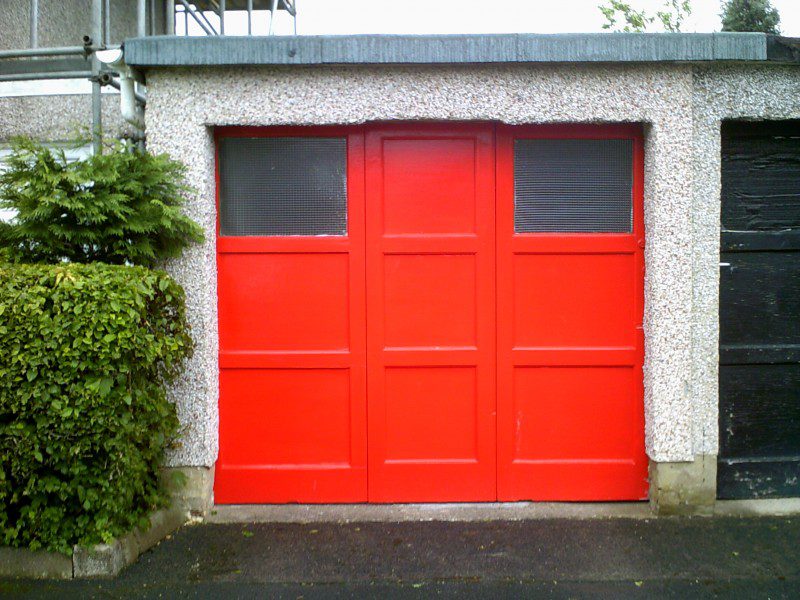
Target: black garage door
759	381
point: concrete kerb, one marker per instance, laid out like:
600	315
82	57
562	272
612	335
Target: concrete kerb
34	564
99	561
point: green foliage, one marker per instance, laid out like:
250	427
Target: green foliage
120	207
621	16
85	353
750	15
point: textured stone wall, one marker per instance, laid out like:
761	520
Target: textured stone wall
185	104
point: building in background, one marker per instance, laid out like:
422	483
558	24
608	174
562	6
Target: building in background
51	86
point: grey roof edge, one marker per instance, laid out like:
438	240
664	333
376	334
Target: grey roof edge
174	51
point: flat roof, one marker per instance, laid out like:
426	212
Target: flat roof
175	51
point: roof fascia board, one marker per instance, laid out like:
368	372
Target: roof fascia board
174	51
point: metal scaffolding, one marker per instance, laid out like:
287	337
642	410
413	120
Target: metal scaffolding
153	17
198	11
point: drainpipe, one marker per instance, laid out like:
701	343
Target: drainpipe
131	112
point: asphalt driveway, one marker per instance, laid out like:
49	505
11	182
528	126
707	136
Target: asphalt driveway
552	558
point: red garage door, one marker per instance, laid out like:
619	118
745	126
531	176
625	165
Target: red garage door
430	313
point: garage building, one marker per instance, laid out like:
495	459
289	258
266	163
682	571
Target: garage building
487	268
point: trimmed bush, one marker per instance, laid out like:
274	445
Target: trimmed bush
119	207
85	353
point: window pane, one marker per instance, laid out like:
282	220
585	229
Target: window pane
570	185
283	186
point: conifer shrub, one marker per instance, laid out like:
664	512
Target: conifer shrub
119	207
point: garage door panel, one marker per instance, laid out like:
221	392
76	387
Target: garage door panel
430	300
761	295
557	409
265	305
563	481
742	479
574	299
422	403
431	346
761	170
761	413
420	195
290	258
570	274
430	313
309	417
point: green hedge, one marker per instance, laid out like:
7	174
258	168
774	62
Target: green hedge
85	352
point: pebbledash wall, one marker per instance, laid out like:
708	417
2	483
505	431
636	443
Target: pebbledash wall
681	100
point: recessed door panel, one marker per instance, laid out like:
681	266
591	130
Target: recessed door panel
272	300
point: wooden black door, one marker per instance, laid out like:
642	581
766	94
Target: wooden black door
759	380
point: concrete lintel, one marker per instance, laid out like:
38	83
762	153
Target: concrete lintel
684	488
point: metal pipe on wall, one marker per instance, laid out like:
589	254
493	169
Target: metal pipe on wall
131	111
115	83
222	17
249	17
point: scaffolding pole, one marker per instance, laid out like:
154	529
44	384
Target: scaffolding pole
37	52
107	23
97	99
34	41
141	18
196	15
46	75
169	17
